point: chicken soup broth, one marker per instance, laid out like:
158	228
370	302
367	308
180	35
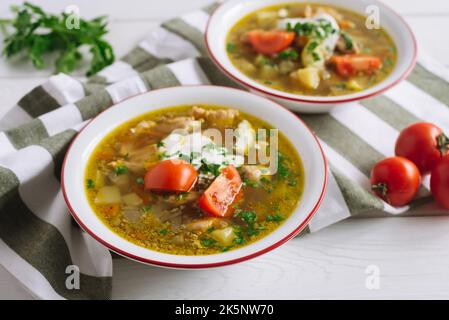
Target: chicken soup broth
311	49
158	187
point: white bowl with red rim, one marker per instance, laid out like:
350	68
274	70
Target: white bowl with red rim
302	138
232	11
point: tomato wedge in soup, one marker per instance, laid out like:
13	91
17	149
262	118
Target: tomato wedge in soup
270	42
171	175
217	200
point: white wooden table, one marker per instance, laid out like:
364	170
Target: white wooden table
411	254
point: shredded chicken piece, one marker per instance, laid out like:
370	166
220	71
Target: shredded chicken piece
331	11
204	224
166	126
136	157
180	199
143	126
255	173
308	12
223	118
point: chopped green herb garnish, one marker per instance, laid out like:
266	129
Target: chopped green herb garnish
208	242
146	208
312	46
181	195
288	54
388	62
121	170
250	183
348	41
160	144
247	216
283	170
239	240
90	184
140	181
274	217
318	30
163	232
210	168
231	47
316	56
292	182
261	60
210	229
253	231
264	180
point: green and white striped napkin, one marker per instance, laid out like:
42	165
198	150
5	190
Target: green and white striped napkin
39	240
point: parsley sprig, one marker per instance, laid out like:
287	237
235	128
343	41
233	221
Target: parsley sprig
38	33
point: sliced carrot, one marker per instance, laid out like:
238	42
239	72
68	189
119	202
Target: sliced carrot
111	210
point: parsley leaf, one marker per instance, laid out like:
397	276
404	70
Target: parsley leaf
207	242
38	33
348	41
90	184
288	54
274	217
121	170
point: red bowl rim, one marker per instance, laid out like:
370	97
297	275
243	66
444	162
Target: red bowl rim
342	100
203	265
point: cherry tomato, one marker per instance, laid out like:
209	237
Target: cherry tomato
222	193
270	42
396	180
439	182
424	144
351	64
171	175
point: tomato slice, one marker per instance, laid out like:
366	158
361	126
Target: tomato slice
270	42
351	64
222	193
171	175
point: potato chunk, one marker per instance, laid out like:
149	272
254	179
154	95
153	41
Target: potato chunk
224	236
307	77
132	199
108	195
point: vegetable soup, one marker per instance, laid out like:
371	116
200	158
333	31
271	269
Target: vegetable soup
311	49
162	184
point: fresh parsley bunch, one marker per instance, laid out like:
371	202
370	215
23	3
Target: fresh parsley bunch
38	33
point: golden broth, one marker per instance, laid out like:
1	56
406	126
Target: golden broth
275	71
173	223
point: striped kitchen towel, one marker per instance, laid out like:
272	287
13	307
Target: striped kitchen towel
41	245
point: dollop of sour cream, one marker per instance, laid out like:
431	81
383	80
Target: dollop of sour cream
198	150
329	40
